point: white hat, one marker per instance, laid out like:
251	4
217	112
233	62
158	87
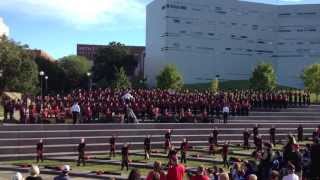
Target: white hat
66	168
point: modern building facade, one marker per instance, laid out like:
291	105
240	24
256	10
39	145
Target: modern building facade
90	51
205	38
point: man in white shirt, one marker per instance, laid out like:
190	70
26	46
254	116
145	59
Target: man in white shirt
75	110
291	175
226	112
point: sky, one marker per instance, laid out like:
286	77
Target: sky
56	26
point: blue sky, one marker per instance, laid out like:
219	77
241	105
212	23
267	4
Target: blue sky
56	26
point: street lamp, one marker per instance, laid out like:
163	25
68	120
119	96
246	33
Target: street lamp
41	73
46	85
90	80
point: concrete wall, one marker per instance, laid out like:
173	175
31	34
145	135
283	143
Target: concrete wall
204	38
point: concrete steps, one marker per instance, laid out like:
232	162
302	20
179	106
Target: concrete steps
19	141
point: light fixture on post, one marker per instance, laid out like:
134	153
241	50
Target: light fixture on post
41	73
89	80
46	85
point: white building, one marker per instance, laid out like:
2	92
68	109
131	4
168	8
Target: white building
205	38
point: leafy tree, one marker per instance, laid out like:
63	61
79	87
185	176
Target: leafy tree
20	72
311	79
263	77
169	78
215	85
121	80
75	69
107	58
56	75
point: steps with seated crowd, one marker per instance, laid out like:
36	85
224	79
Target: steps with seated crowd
19	141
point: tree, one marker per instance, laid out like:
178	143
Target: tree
110	58
311	79
56	75
121	80
169	78
75	69
215	85
263	77
19	71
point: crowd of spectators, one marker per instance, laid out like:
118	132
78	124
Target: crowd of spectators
155	104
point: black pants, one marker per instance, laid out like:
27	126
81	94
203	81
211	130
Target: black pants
81	159
246	144
183	157
147	153
112	152
225	117
225	161
124	163
75	117
39	156
273	140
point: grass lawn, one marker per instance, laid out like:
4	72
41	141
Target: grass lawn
227	85
1	112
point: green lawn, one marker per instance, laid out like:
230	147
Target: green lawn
1	111
227	85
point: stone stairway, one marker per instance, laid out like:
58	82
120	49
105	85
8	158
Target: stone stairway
18	141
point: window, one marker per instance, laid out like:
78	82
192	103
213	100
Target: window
306	13
183	31
261	42
211	34
176	21
281	43
234	24
228	49
244	37
284	30
284	14
221	12
300	43
255	27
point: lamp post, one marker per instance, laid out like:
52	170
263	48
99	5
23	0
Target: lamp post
89	80
41	73
46	85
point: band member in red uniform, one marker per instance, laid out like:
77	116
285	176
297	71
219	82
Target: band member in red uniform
246	136
300	133
183	149
40	151
255	134
273	135
211	144
147	147
224	154
81	151
167	144
215	136
125	156
112	142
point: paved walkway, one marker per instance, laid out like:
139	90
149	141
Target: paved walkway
6	175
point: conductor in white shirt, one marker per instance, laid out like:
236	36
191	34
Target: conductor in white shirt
225	112
75	110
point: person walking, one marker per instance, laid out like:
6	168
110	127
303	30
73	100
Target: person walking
226	111
81	152
75	110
